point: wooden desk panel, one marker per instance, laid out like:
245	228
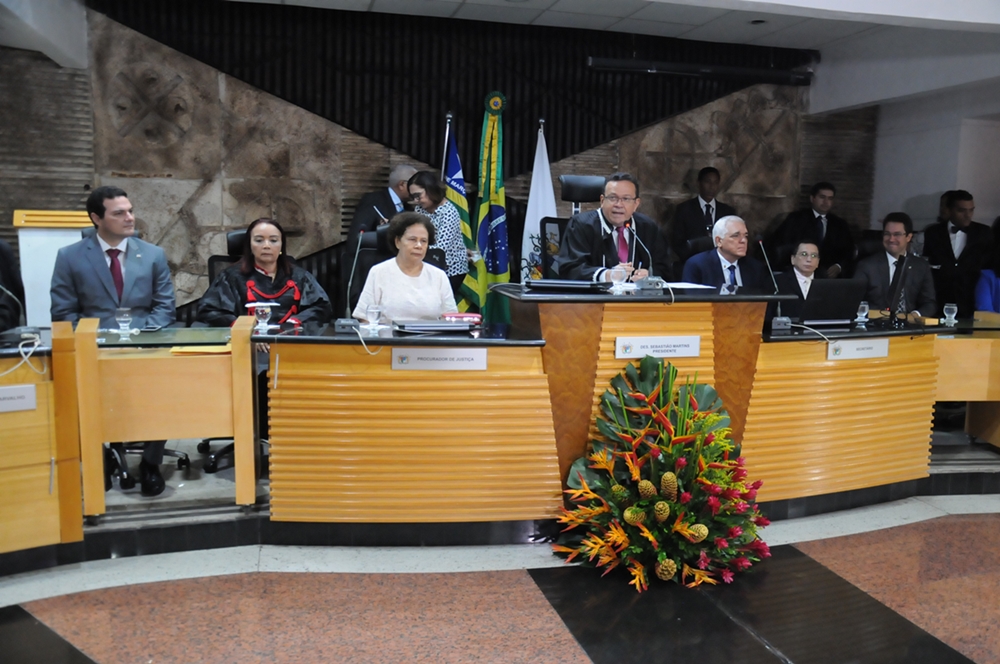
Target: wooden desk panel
354	441
816	426
30	515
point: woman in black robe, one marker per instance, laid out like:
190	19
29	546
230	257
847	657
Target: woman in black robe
265	274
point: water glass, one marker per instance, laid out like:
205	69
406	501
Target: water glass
862	318
123	316
618	276
373	312
262	313
950	311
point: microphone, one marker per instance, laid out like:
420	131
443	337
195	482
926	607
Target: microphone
779	322
628	225
354	267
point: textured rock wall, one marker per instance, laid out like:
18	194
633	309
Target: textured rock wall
201	154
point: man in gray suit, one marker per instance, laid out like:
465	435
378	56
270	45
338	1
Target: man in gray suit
112	269
884	276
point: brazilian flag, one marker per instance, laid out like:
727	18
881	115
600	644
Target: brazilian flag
491	221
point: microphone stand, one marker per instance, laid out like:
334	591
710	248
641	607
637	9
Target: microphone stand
779	322
350	281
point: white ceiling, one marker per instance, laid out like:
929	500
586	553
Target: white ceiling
810	24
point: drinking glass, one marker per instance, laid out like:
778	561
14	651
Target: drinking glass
373	312
950	311
618	276
262	312
862	318
123	316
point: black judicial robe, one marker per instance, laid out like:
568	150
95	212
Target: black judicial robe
298	296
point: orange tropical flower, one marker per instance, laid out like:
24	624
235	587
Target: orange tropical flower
700	576
638	572
648	535
602	459
616	536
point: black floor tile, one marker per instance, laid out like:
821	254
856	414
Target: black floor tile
27	641
101	545
668	623
810	615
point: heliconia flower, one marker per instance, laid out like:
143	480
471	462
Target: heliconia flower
709	438
684	498
701	464
680	463
700	577
721	543
735	532
713	504
730	493
727	575
741	507
703	560
692	401
741	563
762	521
639	411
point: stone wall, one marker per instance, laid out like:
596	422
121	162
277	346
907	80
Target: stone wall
200	154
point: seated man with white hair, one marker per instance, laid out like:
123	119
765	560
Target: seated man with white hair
727	264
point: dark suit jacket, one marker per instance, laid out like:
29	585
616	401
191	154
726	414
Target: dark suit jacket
10	278
918	285
705	268
689	223
585	248
365	217
82	286
837	246
955	280
788	284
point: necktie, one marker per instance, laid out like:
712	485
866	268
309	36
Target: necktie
709	221
956	229
732	275
897	274
116	272
820	227
622	246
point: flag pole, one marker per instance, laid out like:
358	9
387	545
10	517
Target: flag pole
444	151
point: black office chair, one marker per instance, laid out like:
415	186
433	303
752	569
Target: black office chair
699	244
576	189
374	249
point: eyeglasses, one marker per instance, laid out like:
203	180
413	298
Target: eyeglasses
807	254
614	199
409	239
897	234
416	195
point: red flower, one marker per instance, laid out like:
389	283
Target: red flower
714	504
762	521
685	498
760	548
741	563
740	461
654	451
757	484
735	532
741	507
727	575
709	438
731	494
680	463
703	560
750	494
713	489
739	474
720	543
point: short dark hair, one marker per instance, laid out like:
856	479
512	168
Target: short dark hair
431	183
623	177
284	267
820	186
798	247
95	202
901	218
708	170
399	223
958	195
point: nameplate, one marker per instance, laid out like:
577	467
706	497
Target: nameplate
857	349
17	397
439	359
631	347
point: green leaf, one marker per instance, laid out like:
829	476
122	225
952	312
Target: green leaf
582	467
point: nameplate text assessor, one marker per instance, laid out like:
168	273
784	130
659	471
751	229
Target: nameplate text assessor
439	359
630	347
857	349
17	397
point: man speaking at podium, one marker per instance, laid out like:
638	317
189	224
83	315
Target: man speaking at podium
598	240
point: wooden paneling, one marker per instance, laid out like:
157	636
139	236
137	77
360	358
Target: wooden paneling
67	432
572	333
968	367
353	440
29	435
737	338
30	514
816	426
242	404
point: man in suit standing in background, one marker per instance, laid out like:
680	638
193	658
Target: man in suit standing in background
957	248
111	270
816	223
378	207
728	264
885	278
695	218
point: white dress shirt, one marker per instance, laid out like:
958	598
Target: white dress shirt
804	281
725	270
608	229
958	240
701	205
122	246
396	200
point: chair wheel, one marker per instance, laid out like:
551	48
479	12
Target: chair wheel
204	447
211	465
126	481
183	463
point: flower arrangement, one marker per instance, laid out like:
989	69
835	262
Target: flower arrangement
665	490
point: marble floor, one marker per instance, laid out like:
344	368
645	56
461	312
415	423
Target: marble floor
910	581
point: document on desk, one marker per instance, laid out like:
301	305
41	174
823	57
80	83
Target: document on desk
687	284
202	350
